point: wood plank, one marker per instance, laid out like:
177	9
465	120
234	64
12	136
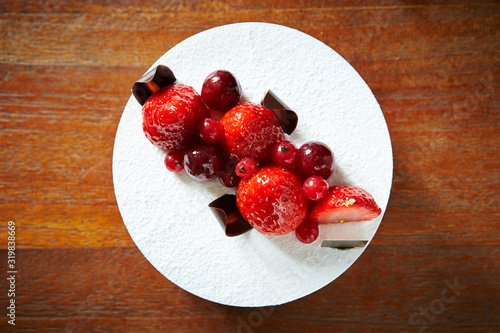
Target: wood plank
119	38
389	286
65	73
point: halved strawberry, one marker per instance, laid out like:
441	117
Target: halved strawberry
345	204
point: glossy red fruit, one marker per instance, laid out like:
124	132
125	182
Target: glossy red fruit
171	115
285	154
203	161
228	176
250	130
315	188
345	204
315	159
210	130
247	167
307	232
221	90
174	161
272	200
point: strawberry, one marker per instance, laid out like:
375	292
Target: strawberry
171	115
250	130
345	204
272	200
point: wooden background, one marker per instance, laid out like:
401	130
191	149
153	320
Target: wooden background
65	74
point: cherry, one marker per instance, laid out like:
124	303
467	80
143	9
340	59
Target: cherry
228	176
221	90
307	232
210	130
203	161
247	167
315	159
315	188
174	160
285	154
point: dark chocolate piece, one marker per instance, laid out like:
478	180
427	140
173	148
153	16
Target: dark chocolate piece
288	119
158	77
343	244
228	215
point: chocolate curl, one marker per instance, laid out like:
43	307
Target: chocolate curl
158	77
343	244
228	215
288	119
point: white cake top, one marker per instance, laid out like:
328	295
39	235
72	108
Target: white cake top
167	213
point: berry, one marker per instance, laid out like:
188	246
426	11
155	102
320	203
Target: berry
174	160
221	91
307	232
285	154
250	130
203	161
228	176
345	204
315	188
210	130
247	167
272	200
315	159
171	115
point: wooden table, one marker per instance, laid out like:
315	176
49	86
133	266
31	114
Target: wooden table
65	76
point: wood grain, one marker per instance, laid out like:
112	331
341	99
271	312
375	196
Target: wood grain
65	74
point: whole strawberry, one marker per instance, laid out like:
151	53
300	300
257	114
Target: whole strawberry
272	201
171	115
250	130
345	204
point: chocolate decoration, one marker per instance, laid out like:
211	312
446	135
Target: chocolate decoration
228	215
158	77
343	244
288	119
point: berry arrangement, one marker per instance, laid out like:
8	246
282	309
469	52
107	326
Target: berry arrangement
280	188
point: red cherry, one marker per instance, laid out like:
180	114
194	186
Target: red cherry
174	160
221	90
315	159
228	176
307	232
203	161
315	188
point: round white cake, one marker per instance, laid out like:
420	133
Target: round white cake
167	213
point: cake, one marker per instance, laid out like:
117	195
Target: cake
167	213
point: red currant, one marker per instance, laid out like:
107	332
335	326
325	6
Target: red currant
307	232
247	167
210	130
174	160
221	90
315	159
315	188
285	154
